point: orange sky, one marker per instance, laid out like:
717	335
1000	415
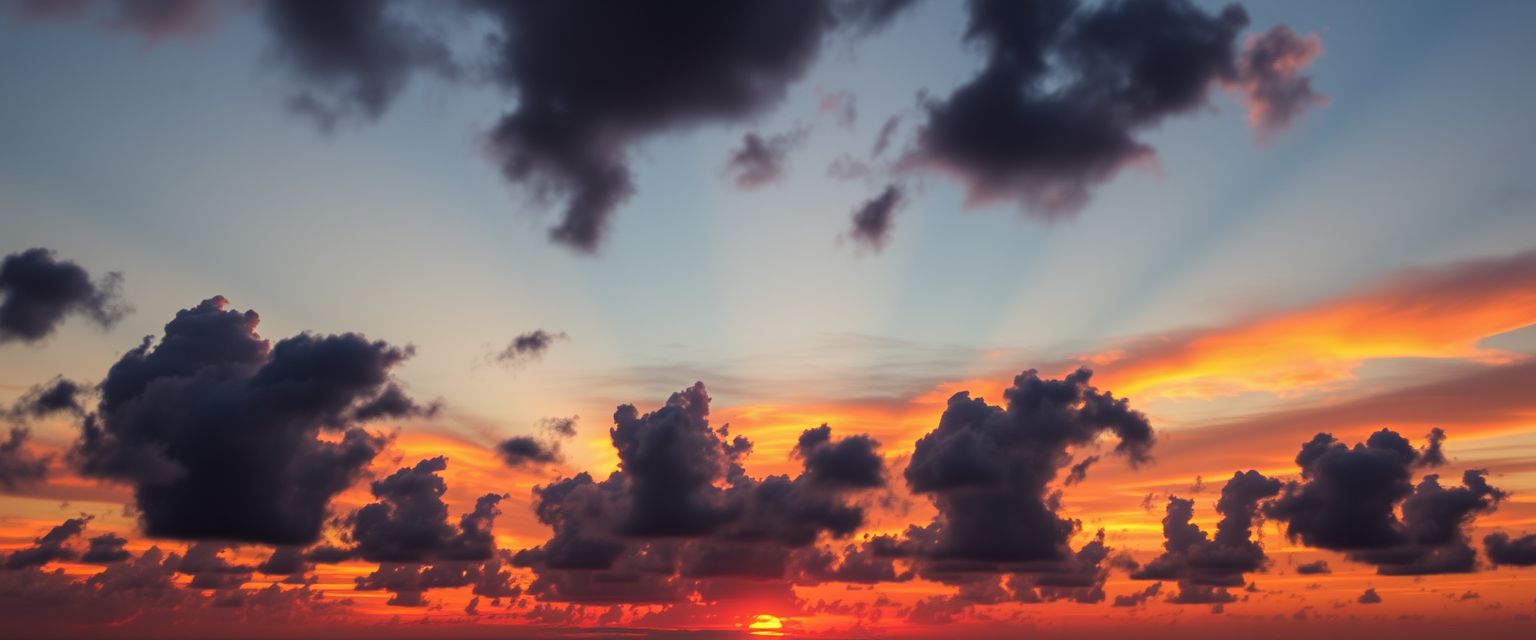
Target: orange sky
1483	401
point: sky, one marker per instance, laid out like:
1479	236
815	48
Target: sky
812	318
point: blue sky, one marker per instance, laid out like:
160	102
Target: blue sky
175	162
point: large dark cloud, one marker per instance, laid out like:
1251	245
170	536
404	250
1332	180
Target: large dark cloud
37	291
593	78
352	56
1068	88
681	515
988	468
219	430
1507	551
1206	566
409	523
1349	498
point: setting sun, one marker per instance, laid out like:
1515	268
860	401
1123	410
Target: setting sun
814	319
766	625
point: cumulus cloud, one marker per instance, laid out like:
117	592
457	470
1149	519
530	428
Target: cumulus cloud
987	468
1269	77
1205	567
219	430
1068	88
1369	597
1139	597
408	583
1349	498
409	522
37	292
106	548
682	516
1507	551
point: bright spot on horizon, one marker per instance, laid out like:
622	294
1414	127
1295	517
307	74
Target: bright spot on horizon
766	625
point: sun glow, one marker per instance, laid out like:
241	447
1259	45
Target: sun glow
766	625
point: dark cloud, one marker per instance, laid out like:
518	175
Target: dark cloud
353	56
528	451
856	564
205	562
58	395
1068	88
852	462
529	346
37	291
1369	597
872	220
1080	578
19	466
219	431
595	78
1349	498
409	523
531	451
1514	552
1270	80
1079	471
1140	597
987	468
106	548
760	161
136	595
408	583
1313	568
1195	593
50	547
1205	567
1432	455
681	515
285	561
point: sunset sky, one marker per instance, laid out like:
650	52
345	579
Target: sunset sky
806	318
